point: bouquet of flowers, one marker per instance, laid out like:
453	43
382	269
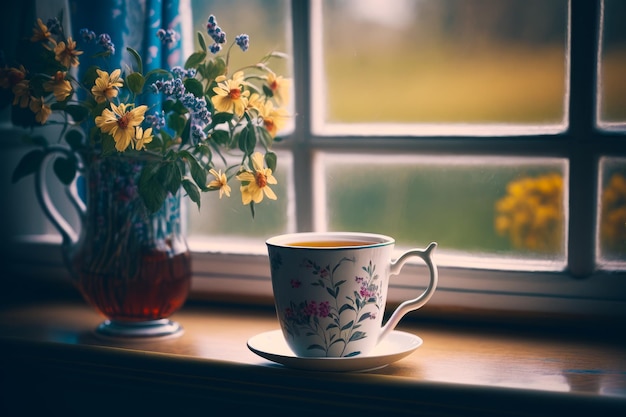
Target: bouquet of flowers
186	120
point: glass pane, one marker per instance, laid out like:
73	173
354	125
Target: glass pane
612	212
612	111
267	22
502	208
435	61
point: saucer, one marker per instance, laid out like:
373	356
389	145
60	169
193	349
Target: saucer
272	346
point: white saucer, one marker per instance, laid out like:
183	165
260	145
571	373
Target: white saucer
272	346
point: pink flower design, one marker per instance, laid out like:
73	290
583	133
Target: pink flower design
310	309
295	283
324	309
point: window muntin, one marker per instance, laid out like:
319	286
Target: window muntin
439	64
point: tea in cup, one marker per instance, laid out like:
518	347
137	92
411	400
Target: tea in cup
330	290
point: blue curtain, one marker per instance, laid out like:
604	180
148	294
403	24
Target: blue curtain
130	23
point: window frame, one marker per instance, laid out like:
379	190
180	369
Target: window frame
577	290
582	143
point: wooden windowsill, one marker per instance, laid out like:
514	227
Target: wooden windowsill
50	353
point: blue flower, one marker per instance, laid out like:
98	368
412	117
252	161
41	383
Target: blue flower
243	41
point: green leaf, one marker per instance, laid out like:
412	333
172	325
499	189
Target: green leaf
137	59
108	145
247	140
197	172
271	160
223	117
220	137
192	191
268	91
65	169
194	87
165	174
29	164
135	82
150	188
195	59
89	79
78	113
202	41
74	138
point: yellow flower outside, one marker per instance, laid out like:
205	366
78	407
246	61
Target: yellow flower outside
121	123
220	182
257	181
106	86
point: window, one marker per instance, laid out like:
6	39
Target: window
470	123
496	128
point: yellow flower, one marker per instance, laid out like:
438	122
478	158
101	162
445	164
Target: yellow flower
21	90
142	137
106	86
273	119
613	213
40	32
531	214
59	86
220	182
67	54
40	108
229	96
281	87
257	181
121	123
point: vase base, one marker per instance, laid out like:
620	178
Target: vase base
140	330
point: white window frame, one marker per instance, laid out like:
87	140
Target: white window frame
579	290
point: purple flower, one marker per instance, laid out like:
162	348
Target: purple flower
156	120
214	31
215	48
167	36
104	40
243	41
87	35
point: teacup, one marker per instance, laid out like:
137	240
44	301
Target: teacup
330	290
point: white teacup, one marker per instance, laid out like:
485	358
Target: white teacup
330	290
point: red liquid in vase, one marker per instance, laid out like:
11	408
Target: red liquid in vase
156	290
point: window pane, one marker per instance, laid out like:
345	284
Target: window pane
507	208
433	61
613	65
612	213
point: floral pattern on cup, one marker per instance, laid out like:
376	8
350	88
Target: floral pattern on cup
335	321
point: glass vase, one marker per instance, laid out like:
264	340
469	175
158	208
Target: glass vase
132	266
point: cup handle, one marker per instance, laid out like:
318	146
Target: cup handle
69	235
423	298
